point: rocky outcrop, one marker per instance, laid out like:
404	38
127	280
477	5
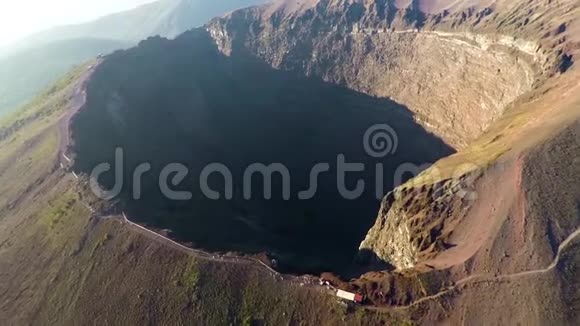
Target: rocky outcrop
415	221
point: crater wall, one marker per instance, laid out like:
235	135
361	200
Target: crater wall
456	83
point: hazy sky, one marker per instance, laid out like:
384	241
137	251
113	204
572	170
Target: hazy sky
19	18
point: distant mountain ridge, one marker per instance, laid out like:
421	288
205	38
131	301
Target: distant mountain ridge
167	18
21	80
36	61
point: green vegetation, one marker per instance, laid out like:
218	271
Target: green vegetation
191	276
59	209
29	140
248	321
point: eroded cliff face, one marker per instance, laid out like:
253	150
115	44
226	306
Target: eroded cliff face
456	83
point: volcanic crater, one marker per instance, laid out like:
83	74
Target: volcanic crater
295	86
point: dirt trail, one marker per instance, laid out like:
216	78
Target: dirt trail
479	278
305	280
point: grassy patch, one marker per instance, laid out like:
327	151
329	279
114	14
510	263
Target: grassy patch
59	209
191	275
